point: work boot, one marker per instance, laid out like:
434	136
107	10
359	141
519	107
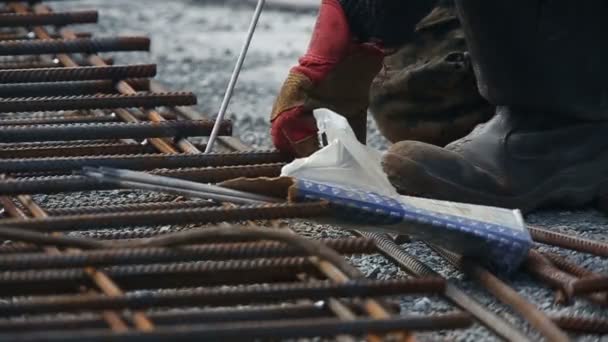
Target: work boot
517	160
542	63
427	90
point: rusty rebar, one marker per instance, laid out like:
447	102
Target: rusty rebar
99	101
72	119
77	45
55	184
568	241
241	314
159	276
213	251
108	130
567	266
67	88
70	151
413	265
250	331
598	283
506	294
128	208
314	290
56	18
10	248
30	35
162	217
86	73
29	65
581	324
140	162
543	269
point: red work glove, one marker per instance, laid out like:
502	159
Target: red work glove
335	73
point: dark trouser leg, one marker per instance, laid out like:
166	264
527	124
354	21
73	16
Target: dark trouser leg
543	63
544	54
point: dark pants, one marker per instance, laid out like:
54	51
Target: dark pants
550	55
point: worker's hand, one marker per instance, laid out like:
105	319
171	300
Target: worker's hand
335	73
344	56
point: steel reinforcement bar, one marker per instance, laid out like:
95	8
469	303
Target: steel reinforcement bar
77	45
111	130
70	183
140	162
175	216
56	19
85	73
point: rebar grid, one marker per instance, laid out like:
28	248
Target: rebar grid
285	288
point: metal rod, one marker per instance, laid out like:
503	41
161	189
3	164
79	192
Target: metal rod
58	18
221	296
235	76
139	161
105	130
183	184
99	101
264	330
114	72
70	183
168	189
77	45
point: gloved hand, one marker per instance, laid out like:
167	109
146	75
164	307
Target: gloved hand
335	73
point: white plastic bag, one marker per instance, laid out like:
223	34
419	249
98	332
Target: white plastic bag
344	161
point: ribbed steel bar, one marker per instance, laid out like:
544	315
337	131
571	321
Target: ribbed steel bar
30	35
55	184
77	45
567	266
214	251
99	101
71	119
10	248
140	162
56	18
507	295
159	276
129	208
73	151
582	324
568	241
67	88
413	265
241	314
539	266
591	284
321	327
86	73
29	65
317	290
162	217
109	130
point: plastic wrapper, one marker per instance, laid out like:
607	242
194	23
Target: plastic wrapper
349	176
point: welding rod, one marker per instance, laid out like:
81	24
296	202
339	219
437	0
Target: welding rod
104	178
235	76
142	177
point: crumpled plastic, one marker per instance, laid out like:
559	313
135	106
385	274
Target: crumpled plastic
343	161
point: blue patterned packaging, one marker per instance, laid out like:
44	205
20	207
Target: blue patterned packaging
496	237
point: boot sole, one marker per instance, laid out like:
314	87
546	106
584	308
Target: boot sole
585	184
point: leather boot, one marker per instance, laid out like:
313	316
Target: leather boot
517	160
